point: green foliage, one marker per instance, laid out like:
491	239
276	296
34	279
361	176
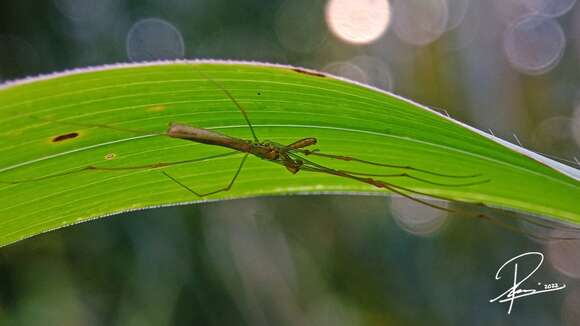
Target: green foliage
41	134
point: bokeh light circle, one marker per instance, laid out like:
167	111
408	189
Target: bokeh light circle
377	71
365	69
154	39
346	69
417	218
420	22
534	44
358	21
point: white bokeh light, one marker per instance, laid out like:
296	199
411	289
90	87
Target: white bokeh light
534	44
377	71
420	22
358	21
417	218
154	39
347	70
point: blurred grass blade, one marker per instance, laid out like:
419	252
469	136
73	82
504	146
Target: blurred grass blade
42	134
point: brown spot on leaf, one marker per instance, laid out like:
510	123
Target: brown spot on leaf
307	72
64	137
110	156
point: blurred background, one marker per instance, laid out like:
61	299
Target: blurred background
509	67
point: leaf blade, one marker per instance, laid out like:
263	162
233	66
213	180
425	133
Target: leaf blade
283	105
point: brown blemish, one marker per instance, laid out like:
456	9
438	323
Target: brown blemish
306	72
64	137
110	156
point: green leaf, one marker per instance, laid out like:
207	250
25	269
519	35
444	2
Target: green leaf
47	128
